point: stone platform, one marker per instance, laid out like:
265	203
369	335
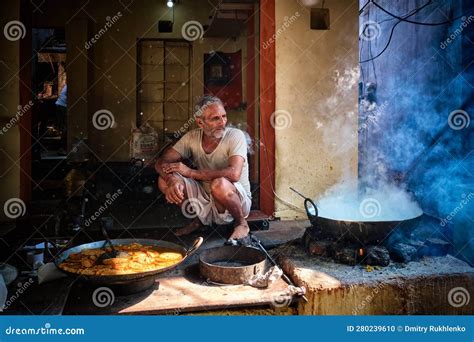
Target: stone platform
430	286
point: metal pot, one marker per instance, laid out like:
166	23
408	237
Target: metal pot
231	264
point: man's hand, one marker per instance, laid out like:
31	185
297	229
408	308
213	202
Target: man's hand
180	168
175	192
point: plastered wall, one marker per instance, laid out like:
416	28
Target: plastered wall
316	88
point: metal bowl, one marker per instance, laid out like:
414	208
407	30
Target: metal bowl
231	264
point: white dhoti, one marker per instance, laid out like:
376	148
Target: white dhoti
202	204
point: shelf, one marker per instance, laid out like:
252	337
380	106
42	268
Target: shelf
51	57
52	156
52	98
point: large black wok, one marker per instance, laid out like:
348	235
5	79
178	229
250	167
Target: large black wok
128	278
365	232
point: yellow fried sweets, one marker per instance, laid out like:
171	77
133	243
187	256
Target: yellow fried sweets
138	259
87	263
115	261
170	256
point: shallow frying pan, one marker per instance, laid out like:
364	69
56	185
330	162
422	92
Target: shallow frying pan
126	278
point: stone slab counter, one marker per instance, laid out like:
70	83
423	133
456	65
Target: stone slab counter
430	286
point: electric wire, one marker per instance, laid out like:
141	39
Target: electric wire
416	22
363	7
390	19
370	50
391	33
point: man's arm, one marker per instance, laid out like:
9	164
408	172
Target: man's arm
170	156
232	172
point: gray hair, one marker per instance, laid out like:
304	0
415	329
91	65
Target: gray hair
203	102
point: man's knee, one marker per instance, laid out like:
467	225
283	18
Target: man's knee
221	187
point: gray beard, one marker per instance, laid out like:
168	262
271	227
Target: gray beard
215	135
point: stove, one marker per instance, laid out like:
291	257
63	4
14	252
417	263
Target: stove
401	245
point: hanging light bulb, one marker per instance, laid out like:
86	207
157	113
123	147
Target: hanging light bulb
170	3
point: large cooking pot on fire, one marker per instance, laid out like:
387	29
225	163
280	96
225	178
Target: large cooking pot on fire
366	232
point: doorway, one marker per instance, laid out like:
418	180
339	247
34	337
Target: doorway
49	110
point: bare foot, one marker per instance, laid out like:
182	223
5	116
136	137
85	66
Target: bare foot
241	230
188	229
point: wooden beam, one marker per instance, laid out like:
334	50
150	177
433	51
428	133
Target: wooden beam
250	71
51	57
267	107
